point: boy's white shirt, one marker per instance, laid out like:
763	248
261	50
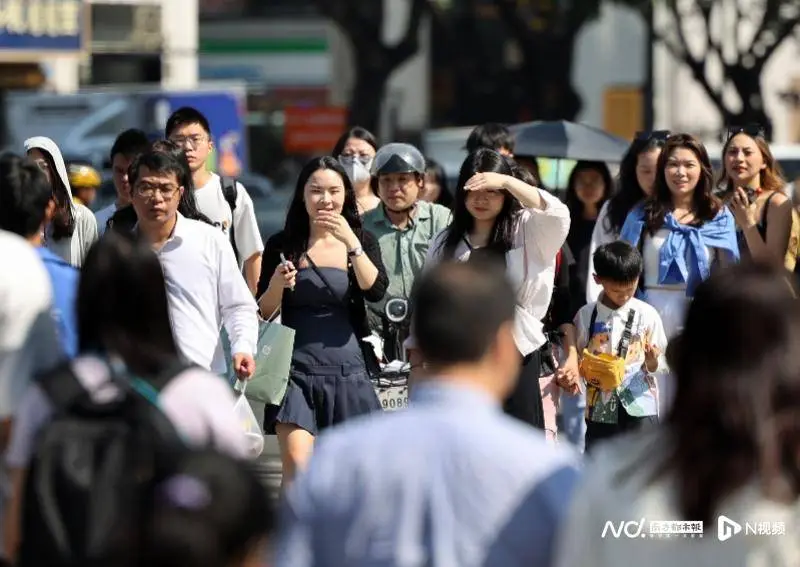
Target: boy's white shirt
211	202
646	320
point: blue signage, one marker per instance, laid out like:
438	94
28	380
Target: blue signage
225	113
41	25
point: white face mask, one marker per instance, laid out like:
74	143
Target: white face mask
357	169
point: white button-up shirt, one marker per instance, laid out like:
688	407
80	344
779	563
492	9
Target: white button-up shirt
205	290
530	265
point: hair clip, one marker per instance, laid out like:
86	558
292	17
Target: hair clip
753	130
186	492
657	135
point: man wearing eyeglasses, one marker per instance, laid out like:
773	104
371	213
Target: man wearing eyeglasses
232	212
204	287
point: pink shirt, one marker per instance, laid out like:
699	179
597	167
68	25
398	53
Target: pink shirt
199	404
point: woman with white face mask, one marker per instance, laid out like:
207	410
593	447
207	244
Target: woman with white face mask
355	150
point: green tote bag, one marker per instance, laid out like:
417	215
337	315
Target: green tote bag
273	360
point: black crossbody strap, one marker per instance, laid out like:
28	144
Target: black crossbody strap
625	339
592	321
324	279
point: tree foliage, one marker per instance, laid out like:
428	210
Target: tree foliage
546	31
736	37
374	59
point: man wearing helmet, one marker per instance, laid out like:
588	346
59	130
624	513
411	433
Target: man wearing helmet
84	181
403	224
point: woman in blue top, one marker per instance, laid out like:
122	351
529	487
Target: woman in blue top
682	230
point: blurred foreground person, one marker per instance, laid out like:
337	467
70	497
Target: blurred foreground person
728	456
26	208
127	400
452	480
208	511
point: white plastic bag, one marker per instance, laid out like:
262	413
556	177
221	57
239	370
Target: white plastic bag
254	438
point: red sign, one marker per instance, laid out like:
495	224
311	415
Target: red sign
313	130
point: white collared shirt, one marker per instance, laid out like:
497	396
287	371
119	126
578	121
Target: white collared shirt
206	290
539	235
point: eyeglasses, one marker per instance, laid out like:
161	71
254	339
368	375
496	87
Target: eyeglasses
656	135
752	130
149	191
190	141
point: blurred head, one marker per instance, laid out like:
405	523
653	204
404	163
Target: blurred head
84	180
471	207
355	150
463	319
588	187
156	187
122	305
637	174
749	162
492	136
400	170
26	199
617	268
211	511
738	390
189	128
322	185
684	173
127	146
435	189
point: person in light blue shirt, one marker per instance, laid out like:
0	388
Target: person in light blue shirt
26	207
452	480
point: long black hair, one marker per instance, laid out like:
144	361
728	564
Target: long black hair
298	228
738	391
502	237
63	223
435	169
571	199
122	305
629	193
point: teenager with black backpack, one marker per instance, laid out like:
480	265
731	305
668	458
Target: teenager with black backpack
222	199
91	432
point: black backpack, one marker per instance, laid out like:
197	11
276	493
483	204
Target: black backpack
91	464
230	192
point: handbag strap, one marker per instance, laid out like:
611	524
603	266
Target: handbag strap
325	281
274	312
624	340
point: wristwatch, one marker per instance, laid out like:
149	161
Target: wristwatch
355	252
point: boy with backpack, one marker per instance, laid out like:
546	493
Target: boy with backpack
223	200
621	340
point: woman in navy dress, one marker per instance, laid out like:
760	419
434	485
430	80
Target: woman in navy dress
332	267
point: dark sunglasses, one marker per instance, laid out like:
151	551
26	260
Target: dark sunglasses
752	130
648	135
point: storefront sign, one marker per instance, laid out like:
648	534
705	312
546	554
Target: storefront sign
315	129
41	25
